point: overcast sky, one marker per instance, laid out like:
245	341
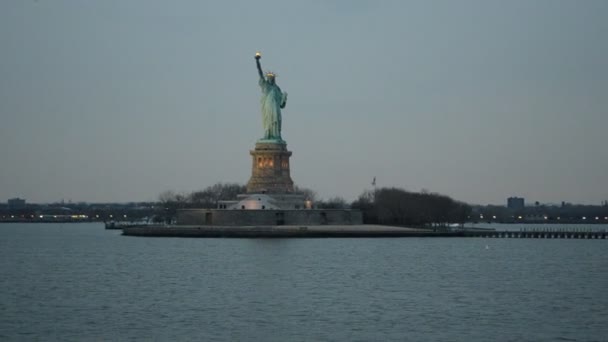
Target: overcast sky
119	100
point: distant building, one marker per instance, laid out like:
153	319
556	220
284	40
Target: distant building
16	203
515	203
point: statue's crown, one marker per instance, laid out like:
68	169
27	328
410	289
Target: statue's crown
270	74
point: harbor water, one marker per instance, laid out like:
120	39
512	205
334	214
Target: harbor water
75	282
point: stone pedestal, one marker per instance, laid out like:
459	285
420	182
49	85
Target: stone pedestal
270	169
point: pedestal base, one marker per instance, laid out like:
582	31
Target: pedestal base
270	169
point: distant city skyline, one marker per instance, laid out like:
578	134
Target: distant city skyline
505	204
116	101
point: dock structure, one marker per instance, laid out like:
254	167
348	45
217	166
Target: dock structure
347	231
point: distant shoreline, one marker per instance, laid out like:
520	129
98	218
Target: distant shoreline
49	221
473	225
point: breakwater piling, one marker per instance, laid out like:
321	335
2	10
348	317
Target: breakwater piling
546	233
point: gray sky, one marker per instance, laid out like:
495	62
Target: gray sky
120	100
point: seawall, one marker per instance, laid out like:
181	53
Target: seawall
269	217
327	231
344	231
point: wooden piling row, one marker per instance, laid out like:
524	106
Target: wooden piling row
558	234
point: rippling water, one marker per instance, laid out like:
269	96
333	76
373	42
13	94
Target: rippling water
81	282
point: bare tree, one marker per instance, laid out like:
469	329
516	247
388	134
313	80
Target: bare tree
208	197
170	202
333	203
309	194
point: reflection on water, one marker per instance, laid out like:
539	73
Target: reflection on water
82	282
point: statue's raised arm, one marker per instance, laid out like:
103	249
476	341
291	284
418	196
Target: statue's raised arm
257	62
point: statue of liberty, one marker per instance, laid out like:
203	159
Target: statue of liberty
273	100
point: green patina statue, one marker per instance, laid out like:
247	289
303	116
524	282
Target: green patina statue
273	100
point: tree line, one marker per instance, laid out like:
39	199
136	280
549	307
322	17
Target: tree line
395	206
391	206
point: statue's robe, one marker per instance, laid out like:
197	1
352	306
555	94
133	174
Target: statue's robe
272	101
